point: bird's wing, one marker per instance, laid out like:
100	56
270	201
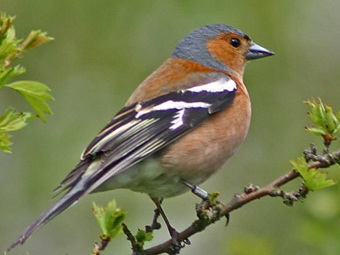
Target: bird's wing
142	129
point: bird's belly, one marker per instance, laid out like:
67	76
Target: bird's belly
147	177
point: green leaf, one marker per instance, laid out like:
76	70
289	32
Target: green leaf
142	236
35	39
8	42
316	131
5	142
12	120
37	94
9	73
314	179
331	121
109	218
327	123
213	198
8	47
317	111
6	22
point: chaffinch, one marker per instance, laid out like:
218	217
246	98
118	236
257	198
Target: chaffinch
177	128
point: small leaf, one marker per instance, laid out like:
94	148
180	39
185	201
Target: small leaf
7	48
315	131
35	39
9	73
327	123
316	113
213	198
12	120
314	178
142	236
8	42
331	120
5	143
6	23
109	218
37	94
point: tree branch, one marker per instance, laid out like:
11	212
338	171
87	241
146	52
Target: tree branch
209	214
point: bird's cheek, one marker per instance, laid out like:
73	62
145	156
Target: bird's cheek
227	55
219	49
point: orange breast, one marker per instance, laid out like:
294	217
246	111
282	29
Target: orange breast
205	149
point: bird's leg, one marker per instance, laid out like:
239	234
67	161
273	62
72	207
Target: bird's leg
208	202
178	243
155	224
201	193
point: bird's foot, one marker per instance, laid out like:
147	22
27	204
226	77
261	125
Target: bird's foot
177	242
210	209
155	225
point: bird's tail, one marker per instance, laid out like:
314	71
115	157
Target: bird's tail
63	203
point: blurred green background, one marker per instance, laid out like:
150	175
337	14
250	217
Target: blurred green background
103	50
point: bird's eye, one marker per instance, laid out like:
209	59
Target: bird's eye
235	42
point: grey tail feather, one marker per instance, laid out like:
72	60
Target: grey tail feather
63	203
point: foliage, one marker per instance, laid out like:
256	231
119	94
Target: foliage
35	93
143	236
314	178
326	125
109	218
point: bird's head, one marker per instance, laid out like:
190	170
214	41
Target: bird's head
220	47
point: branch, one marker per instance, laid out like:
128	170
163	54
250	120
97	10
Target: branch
209	214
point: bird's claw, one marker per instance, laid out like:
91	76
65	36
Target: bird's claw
177	242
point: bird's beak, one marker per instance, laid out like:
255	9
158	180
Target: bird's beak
256	51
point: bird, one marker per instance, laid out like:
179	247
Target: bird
178	127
